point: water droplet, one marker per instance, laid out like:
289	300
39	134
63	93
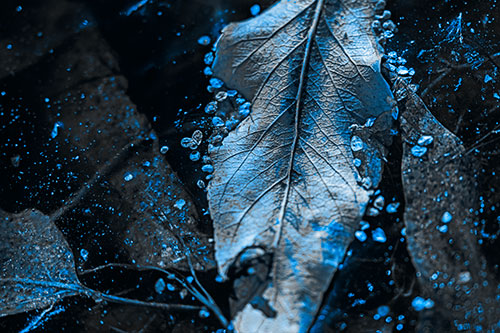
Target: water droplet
464	277
180	203
420	303
211	107
194	156
160	286
204	40
84	254
392	207
255	10
197	137
208	168
360	235
378	235
221	96
425	140
418	151
357	162
402	70
55	130
379	202
364	225
204	313
383	310
209	58
217	121
186	142
216	83
200	183
443	228
170	287
128	177
164	150
356	143
446	218
208	71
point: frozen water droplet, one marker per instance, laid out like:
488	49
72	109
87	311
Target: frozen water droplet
194	156
55	130
464	277
163	150
211	107
217	121
204	313
186	142
208	71
420	303
392	207
128	177
402	70
487	78
180	203
372	212
197	137
232	93
360	235
446	218
378	235
84	254
443	228
418	151
216	83
364	225
221	96
208	168
379	202
366	183
204	40
383	310
425	140
255	10
357	162
200	183
160	286
209	58
170	287
356	143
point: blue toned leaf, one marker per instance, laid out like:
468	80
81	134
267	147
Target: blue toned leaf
284	179
37	267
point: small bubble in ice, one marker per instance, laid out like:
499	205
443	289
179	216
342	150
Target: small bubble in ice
204	40
211	107
217	121
208	168
160	286
180	203
446	218
84	254
216	83
221	96
201	184
255	10
418	151
194	156
163	150
357	162
186	142
378	235
425	140
128	177
360	235
392	207
356	143
204	313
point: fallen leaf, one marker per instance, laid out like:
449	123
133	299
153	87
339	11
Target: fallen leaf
285	181
441	196
37	267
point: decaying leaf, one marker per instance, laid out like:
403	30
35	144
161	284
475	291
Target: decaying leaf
441	197
285	180
97	121
37	267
